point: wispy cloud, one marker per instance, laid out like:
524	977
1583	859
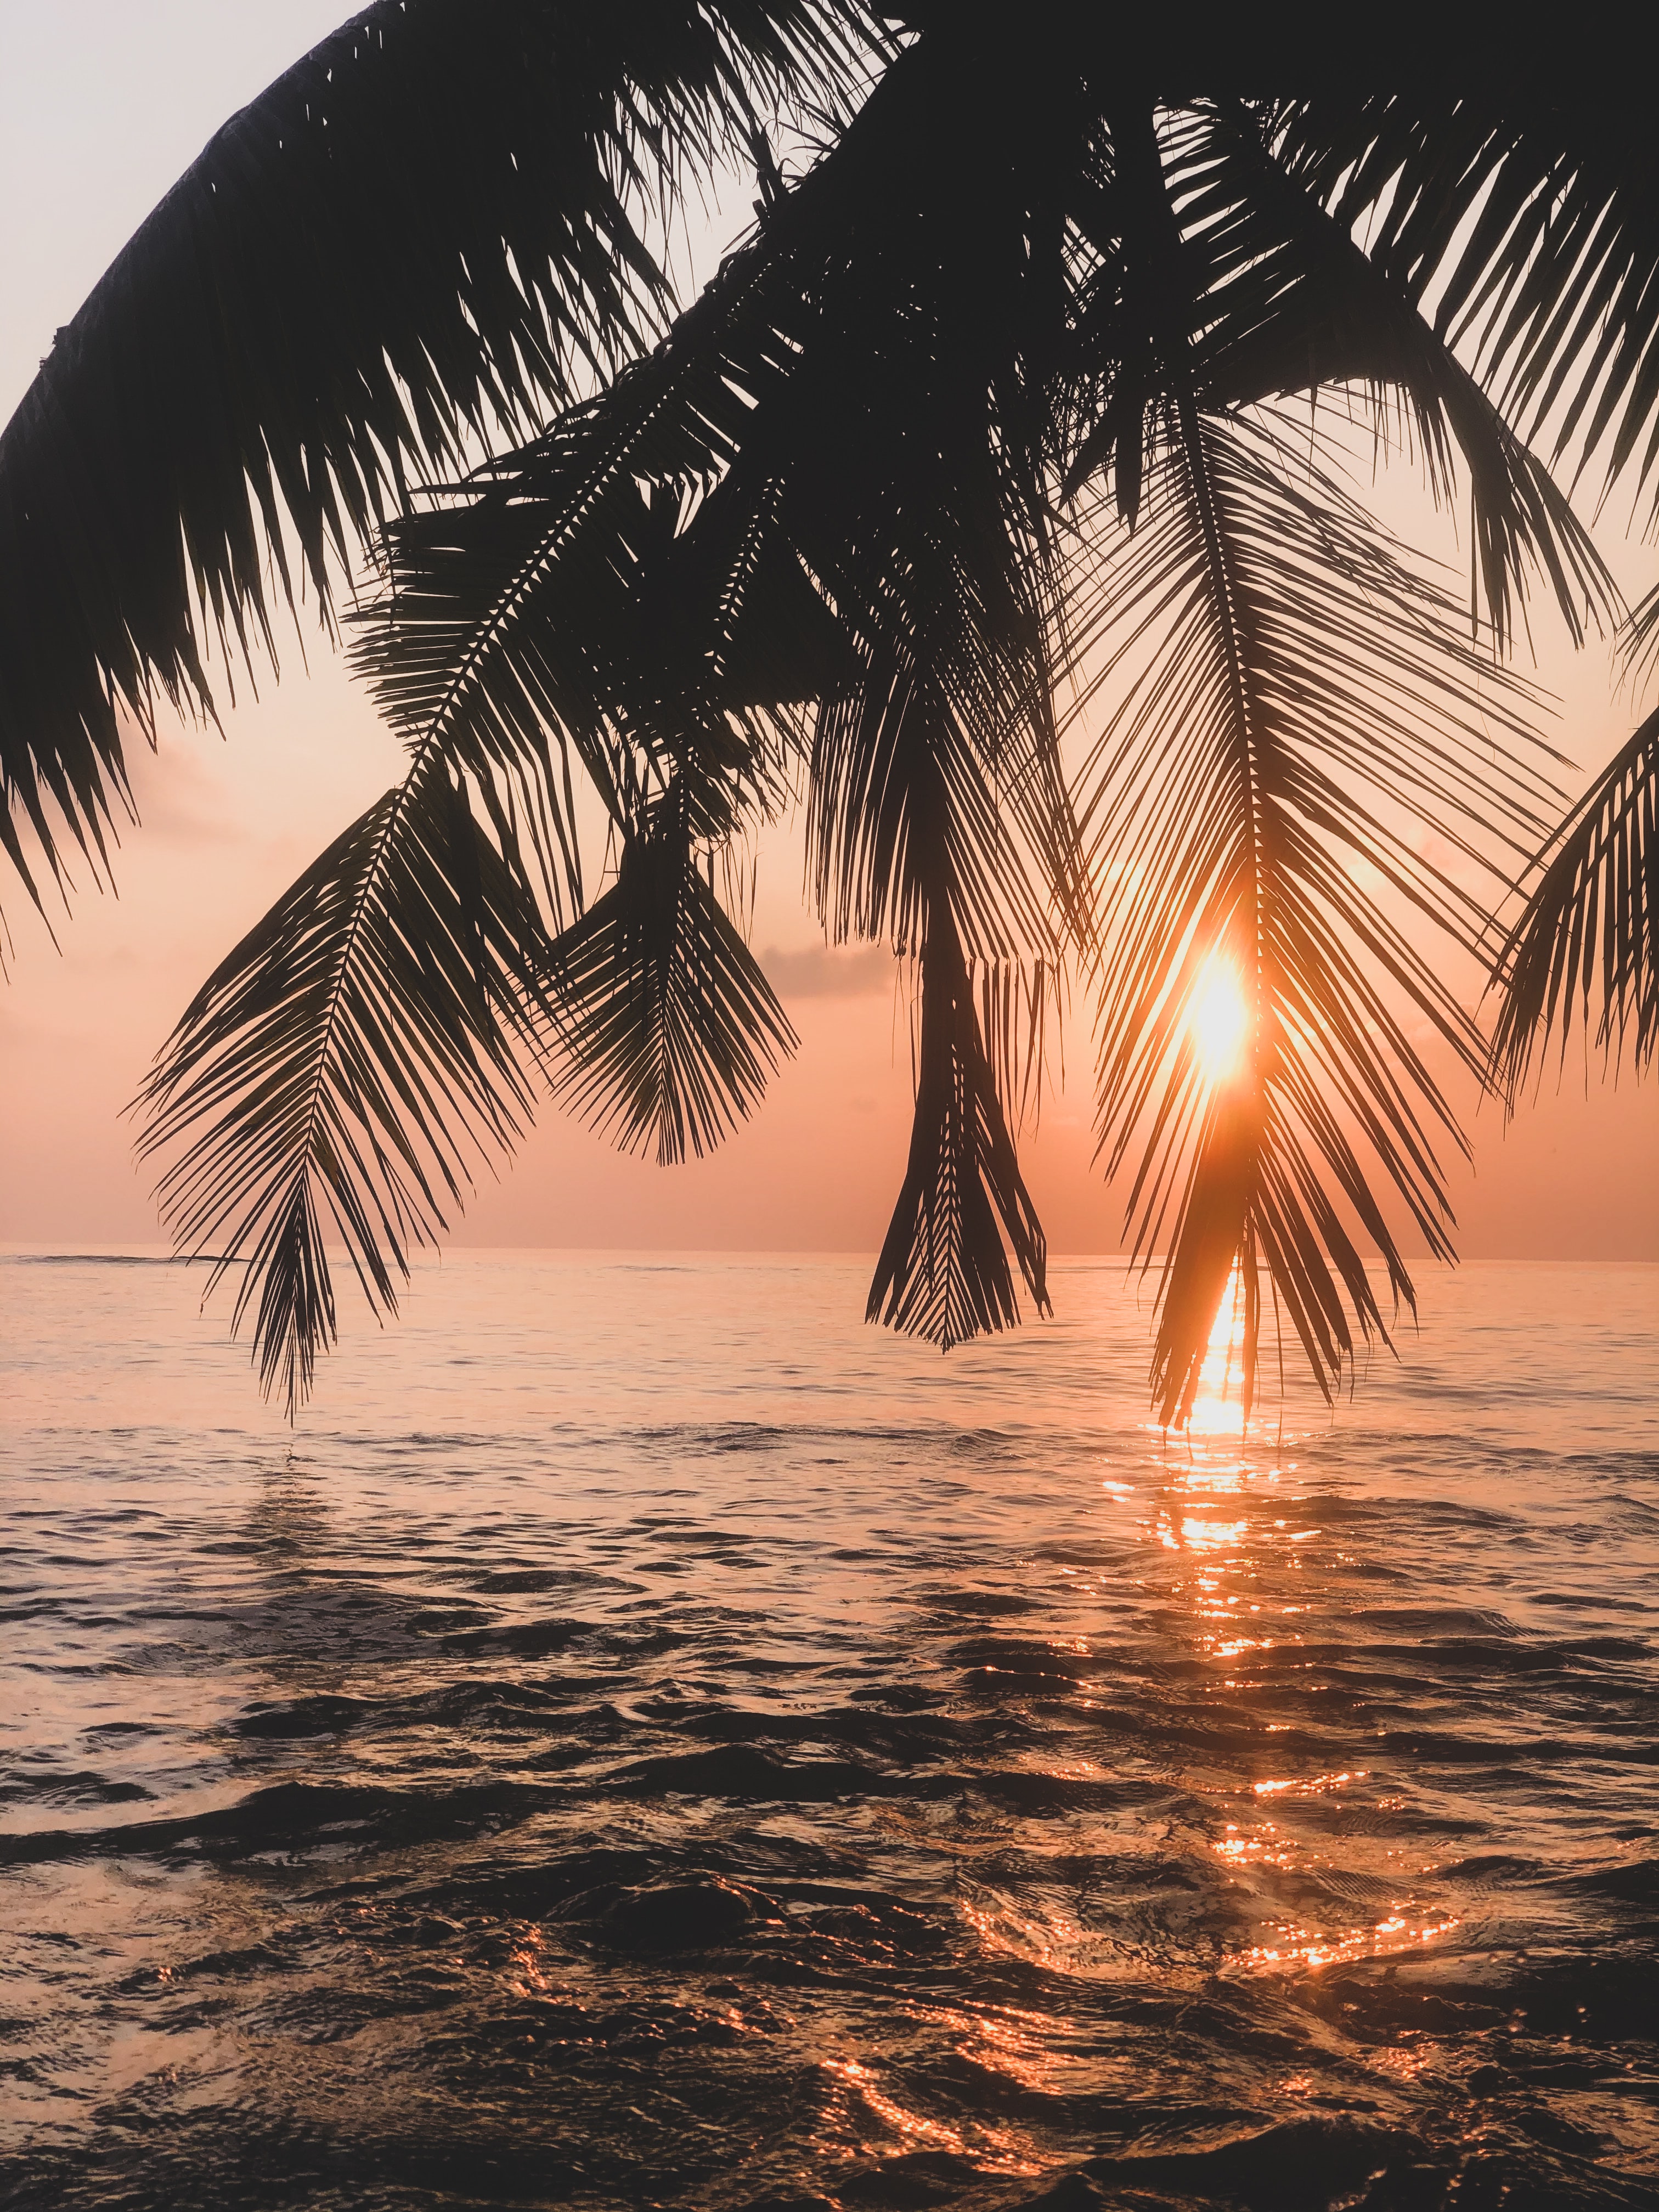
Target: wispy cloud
823	971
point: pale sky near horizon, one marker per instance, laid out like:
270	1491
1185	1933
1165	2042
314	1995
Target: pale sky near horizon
102	104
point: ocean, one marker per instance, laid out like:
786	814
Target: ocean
646	1739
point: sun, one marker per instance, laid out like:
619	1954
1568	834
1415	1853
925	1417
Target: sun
1216	1020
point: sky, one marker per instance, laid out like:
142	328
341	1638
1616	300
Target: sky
102	104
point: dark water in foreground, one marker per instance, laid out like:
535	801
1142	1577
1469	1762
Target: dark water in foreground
650	1742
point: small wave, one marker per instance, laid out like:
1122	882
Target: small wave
854	1812
107	1260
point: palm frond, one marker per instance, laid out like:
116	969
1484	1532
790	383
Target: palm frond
943	1272
432	224
1641	640
1523	205
343	1073
906	834
1328	313
938	814
1590	929
614	582
775	430
909	833
508	668
668	1026
1299	706
922	792
1237	280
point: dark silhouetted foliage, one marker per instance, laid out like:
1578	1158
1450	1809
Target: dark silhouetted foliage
975	503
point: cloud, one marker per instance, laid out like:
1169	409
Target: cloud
823	971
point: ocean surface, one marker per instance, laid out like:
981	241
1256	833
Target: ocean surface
647	1739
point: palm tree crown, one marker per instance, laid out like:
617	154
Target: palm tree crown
976	500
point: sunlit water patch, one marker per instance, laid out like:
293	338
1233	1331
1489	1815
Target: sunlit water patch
648	1741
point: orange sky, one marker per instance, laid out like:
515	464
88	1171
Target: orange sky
100	104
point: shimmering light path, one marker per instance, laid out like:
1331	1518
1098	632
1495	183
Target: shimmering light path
649	1741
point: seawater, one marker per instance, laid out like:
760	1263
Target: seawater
646	1739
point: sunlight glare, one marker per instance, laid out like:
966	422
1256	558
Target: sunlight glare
1217	1410
1216	1020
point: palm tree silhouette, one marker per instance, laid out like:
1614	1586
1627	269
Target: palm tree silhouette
976	499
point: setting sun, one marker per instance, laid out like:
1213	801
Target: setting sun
1216	1020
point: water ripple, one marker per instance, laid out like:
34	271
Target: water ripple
766	1813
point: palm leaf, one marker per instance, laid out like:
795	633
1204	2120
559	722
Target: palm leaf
668	1026
1297	700
552	593
906	834
1642	638
1524	202
430	225
341	1075
943	1272
1327	312
1218	270
649	1013
1590	928
778	419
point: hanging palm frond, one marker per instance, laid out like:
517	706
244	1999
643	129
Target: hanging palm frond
308	1057
1298	707
585	622
943	1272
939	813
1290	303
339	1077
1521	206
1217	271
435	224
793	391
512	670
1589	931
906	834
668	1026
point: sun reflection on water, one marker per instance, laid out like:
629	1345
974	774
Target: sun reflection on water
1214	1478
1218	1406
1302	1947
1236	1543
993	2149
1235	1538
